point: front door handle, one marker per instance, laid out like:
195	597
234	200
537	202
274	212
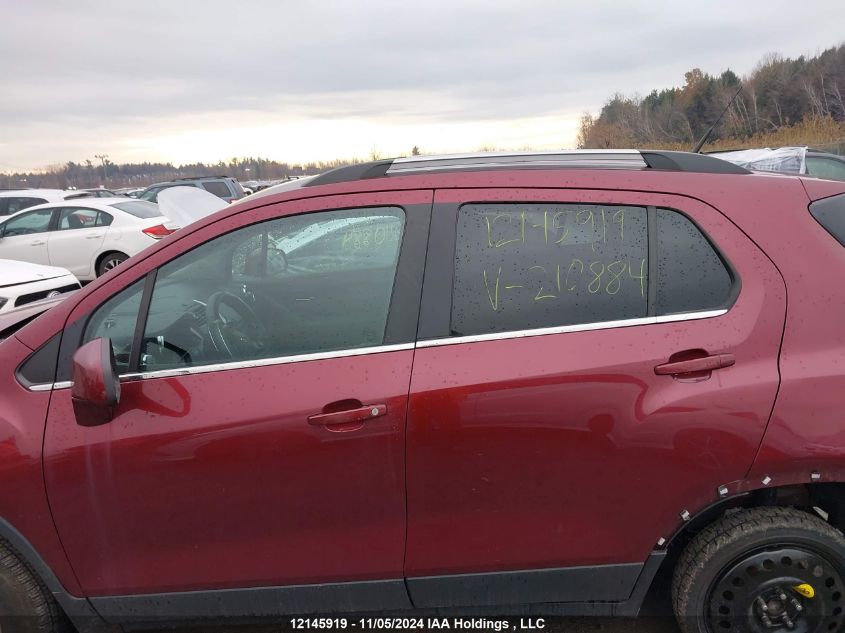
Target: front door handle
349	419
695	365
37	243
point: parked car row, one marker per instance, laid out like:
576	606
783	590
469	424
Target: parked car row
87	236
14	200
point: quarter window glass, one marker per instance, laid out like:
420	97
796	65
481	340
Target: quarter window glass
27	223
295	285
830	213
104	219
524	266
691	275
116	320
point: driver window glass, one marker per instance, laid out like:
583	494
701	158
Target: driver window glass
296	285
116	319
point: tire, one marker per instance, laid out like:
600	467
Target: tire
26	605
747	572
110	261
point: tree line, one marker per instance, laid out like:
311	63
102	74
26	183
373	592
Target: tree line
779	93
90	174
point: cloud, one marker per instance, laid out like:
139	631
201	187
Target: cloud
83	77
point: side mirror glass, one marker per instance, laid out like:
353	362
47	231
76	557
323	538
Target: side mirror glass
96	386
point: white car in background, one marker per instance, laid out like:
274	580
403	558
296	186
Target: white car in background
23	284
14	200
88	236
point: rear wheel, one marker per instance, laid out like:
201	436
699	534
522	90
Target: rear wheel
112	260
25	604
762	570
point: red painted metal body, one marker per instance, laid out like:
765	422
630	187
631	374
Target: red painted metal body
23	496
217	480
567	449
546	451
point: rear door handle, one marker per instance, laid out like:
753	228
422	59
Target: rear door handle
93	236
355	417
707	363
37	243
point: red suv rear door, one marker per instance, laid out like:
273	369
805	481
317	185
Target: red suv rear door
590	365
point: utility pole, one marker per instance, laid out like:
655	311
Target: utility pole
103	158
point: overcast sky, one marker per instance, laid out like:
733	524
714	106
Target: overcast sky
191	80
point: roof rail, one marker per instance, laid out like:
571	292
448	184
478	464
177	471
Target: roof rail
597	159
198	178
573	159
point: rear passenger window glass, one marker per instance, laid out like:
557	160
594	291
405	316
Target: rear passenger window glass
219	189
19	204
77	218
692	277
526	266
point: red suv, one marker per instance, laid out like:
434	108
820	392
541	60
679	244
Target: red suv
526	383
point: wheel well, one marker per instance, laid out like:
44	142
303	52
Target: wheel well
103	256
83	616
822	499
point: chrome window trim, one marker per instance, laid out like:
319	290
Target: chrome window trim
265	362
49	386
380	349
581	327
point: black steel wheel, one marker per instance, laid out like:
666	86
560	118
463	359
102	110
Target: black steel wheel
785	589
762	570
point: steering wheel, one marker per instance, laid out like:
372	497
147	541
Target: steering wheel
243	338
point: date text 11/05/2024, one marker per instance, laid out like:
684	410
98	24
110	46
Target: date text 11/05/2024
419	624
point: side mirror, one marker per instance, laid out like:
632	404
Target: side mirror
96	386
277	261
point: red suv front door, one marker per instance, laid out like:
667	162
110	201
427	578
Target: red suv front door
259	440
589	367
